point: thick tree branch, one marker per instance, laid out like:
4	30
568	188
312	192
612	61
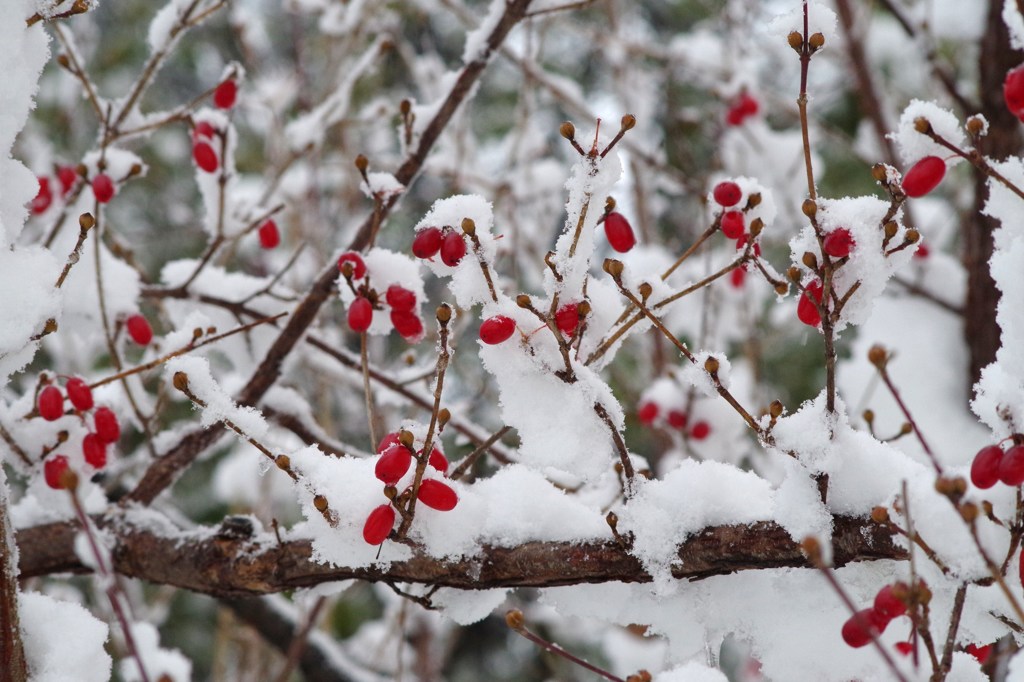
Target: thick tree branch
234	564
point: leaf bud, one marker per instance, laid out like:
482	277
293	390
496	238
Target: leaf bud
878	356
711	365
320	502
444	313
810	260
567	130
795	40
809	208
922	125
628	121
180	381
775	409
523	301
816	41
754	200
912	236
283	462
468	226
514	619
756	225
362	163
86	221
613	267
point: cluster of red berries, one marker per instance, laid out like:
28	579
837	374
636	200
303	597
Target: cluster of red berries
393	463
924	176
742	108
106	430
400	300
890	603
649	413
619	232
139	329
67	176
733	223
449	242
992	465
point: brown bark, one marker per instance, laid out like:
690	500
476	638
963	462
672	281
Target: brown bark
234	564
13	667
1003	140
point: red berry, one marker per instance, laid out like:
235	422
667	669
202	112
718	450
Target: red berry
647	413
619	232
139	329
1013	90
981	653
734	116
733	224
922	251
453	248
838	243
378	524
95	451
358	266
53	471
904	648
387	441
106	424
203	129
437	495
742	108
985	467
924	176
51	403
1011	466
79	394
805	308
408	325
738	276
677	419
497	329
68	176
700	430
225	94
269	235
205	157
887	605
427	242
568	318
741	243
727	193
748	104
400	299
393	464
103	188
857	629
438	460
43	198
360	314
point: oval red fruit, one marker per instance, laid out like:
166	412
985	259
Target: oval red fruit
647	413
568	318
497	329
904	648
393	464
53	471
94	450
387	441
980	653
400	298
408	325
727	193
68	176
677	419
270	237
1011	466
438	460
839	242
225	94
203	129
1013	90
619	232
427	242
358	265
360	314
79	394
106	425
733	225
805	308
985	467
887	604
205	157
924	176
437	495
700	430
139	329
103	188
378	524
738	276
857	629
453	248
43	198
51	403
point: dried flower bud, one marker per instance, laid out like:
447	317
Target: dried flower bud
406	438
567	130
810	260
880	514
890	229
468	226
612	519
975	126
756	225
283	462
320	502
711	365
809	208
816	41
754	200
912	236
922	125
613	267
795	40
811	548
609	204
444	415
628	121
781	288
879	172
869	416
63	60
877	356
514	619
180	381
583	309
523	301
645	291
794	274
775	409
443	313
362	163
86	221
405	106
969	511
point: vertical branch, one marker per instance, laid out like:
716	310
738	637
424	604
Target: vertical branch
12	650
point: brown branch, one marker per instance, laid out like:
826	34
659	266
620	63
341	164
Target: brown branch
237	565
12	650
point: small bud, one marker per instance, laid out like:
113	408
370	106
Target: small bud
775	409
609	204
180	381
922	593
320	502
645	291
756	225
877	356
890	229
443	313
945	486
809	208
86	221
613	520
567	130
628	121
754	200
347	269
969	511
68	479
62	436
63	60
362	163
811	549
514	619
444	415
795	40
711	365
583	309
405	106
523	301
134	170
810	260
613	267
794	274
975	126
922	125
781	288
912	236
879	172
390	492
880	514
816	41
869	416
905	429
197	333
406	438
468	226
283	462
960	485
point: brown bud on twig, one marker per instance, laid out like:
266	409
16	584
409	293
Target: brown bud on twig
878	356
645	291
523	301
816	41
62	436
583	308
810	260
794	274
795	40
879	172
444	313
390	492
86	221
628	121
63	60
320	502
809	208
514	619
405	106
869	416
612	520
567	130
613	267
754	200
756	225
468	226
880	514
180	381
969	511
922	125
283	462
362	163
975	126
68	480
444	415
906	428
811	548
912	236
781	288
775	409
890	229
609	204
406	438
711	365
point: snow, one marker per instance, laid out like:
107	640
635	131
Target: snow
63	641
691	672
159	663
914	146
218	405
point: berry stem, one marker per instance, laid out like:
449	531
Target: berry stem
880	360
514	619
364	360
85	222
977	159
469	460
801	102
954	626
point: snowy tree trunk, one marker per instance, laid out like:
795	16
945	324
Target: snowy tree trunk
12	653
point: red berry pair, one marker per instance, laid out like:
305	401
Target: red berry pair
619	232
992	465
889	604
430	241
742	108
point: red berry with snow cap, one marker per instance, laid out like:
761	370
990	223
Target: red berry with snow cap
497	329
985	467
79	394
677	419
839	243
43	198
103	188
438	460
51	403
727	193
568	318
269	235
68	176
358	265
387	441
139	329
378	524
887	604
700	430
106	425
619	232
924	176
453	248
437	495
203	129
427	242
647	413
360	314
